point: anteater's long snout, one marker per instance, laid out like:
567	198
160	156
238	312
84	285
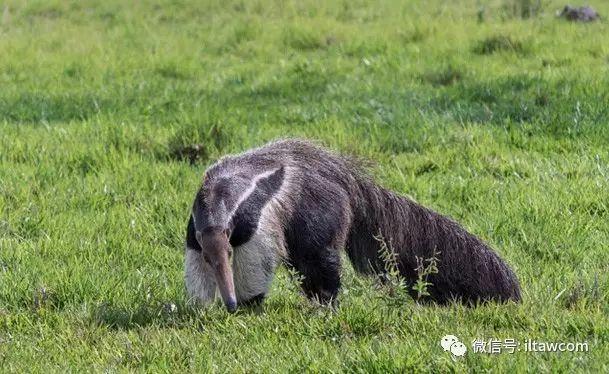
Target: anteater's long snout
224	279
217	249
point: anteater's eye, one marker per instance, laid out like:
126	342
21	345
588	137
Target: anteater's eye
206	259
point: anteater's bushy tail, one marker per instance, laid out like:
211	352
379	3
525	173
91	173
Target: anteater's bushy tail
468	269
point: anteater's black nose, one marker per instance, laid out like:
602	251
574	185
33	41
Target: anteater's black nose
231	305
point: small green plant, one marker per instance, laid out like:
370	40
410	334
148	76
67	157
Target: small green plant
392	278
425	268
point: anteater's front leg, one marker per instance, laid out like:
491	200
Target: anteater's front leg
199	277
254	265
200	281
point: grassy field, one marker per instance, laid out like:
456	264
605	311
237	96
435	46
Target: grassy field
497	121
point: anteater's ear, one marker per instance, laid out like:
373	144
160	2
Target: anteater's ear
227	232
191	237
199	237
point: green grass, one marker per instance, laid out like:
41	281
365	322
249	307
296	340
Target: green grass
500	122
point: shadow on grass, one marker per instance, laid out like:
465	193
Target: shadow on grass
164	315
119	317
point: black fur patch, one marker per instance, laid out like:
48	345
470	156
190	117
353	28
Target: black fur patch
256	300
247	215
191	238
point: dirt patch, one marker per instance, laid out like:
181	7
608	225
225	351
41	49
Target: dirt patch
192	153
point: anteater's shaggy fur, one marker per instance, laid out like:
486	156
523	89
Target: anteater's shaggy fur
297	203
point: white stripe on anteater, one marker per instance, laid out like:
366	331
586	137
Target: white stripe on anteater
248	192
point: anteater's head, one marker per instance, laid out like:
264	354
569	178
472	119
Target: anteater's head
216	252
